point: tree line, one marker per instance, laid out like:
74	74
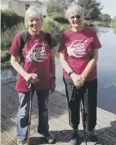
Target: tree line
92	8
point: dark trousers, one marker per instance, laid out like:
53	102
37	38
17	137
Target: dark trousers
23	113
88	95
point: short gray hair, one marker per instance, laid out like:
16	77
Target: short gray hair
30	12
74	8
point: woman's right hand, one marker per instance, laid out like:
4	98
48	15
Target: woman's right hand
77	80
29	77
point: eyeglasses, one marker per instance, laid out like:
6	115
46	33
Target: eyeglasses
76	16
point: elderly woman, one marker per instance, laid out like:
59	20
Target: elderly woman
37	69
78	55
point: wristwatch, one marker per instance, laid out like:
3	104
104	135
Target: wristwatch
70	73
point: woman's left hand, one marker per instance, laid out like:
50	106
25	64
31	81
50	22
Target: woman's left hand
80	83
77	80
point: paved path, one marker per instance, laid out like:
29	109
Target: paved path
106	128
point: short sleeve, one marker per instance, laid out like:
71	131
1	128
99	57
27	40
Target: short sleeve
96	41
62	47
15	46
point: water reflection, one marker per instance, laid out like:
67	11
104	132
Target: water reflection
107	70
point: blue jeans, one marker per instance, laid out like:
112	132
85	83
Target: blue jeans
23	113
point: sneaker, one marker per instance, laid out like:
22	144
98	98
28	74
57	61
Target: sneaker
49	138
75	138
21	142
91	136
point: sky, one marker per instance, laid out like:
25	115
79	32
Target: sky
109	7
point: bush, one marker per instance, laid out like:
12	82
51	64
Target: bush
113	22
52	27
9	19
6	57
5	65
6	40
103	24
61	19
64	27
58	17
8	35
54	14
48	25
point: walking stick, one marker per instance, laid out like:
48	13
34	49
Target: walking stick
30	111
83	115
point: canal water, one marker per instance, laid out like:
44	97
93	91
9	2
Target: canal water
106	71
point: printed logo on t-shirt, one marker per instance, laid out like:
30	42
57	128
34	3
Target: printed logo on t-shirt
37	53
77	48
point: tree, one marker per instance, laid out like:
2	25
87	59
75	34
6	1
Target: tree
58	5
105	18
113	23
92	8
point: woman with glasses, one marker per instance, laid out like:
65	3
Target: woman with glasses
78	55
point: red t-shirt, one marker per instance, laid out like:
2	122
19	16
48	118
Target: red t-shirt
36	59
78	47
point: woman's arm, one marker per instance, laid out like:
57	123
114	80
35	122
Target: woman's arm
64	63
52	71
90	65
52	64
77	80
27	76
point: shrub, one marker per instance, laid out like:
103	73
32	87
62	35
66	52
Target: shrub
8	35
113	22
6	40
9	19
6	57
61	19
64	27
5	65
54	14
51	27
48	25
58	17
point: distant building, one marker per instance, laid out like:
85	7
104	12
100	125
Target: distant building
19	6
